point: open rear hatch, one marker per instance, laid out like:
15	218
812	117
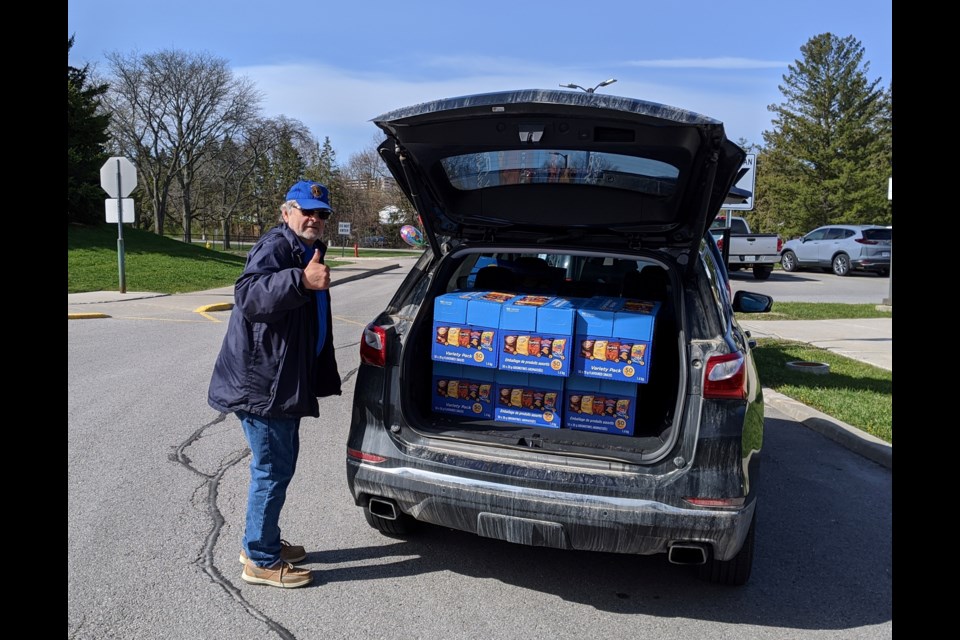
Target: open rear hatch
560	166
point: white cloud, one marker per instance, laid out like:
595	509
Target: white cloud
340	103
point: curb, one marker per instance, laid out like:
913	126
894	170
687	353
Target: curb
227	306
217	306
365	274
854	439
85	316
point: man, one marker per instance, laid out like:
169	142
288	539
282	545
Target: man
276	359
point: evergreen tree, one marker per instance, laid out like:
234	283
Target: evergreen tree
830	154
87	138
326	172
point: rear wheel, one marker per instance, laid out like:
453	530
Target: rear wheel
841	264
733	267
788	261
762	272
736	571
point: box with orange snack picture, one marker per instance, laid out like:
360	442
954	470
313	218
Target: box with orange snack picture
466	328
536	334
463	391
528	399
613	339
592	404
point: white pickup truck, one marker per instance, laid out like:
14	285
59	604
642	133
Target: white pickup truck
755	251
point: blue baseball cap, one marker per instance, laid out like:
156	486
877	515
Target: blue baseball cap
310	195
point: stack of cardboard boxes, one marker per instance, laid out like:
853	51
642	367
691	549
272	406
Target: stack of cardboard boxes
542	360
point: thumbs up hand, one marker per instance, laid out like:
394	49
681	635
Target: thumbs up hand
316	275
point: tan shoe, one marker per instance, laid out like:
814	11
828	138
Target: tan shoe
282	574
288	553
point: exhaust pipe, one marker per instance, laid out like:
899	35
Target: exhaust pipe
382	508
687	553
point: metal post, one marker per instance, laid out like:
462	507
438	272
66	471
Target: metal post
123	280
889	299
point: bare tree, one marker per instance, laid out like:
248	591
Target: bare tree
171	110
369	189
247	178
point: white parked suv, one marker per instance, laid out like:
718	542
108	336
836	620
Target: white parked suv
841	248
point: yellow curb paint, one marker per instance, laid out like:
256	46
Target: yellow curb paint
219	306
84	316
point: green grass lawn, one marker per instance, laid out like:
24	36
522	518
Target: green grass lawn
854	392
162	265
817	311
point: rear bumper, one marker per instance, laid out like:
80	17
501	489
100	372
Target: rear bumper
750	259
550	518
871	264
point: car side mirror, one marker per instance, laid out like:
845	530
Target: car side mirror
750	302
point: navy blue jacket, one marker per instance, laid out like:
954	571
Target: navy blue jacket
268	364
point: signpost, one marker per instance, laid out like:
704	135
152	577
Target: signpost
747	182
344	230
889	299
118	177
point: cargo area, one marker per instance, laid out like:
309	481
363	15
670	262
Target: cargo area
564	352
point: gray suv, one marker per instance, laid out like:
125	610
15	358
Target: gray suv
841	248
563	367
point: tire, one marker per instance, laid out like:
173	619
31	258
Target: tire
884	273
841	264
762	272
734	572
733	267
788	261
402	526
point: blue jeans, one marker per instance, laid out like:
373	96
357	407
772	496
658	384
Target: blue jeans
274	445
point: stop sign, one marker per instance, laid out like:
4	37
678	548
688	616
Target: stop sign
127	177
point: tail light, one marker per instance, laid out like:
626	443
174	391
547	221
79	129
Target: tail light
373	346
363	456
779	244
720	244
725	377
715	502
865	241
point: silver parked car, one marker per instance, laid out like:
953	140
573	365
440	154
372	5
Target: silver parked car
841	248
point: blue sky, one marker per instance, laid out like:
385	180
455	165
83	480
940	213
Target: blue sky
336	65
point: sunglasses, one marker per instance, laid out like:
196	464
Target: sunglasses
323	214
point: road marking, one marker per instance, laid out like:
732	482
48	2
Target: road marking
217	306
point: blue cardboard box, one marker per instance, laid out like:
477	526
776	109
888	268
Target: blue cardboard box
465	327
613	339
528	399
592	404
537	334
462	391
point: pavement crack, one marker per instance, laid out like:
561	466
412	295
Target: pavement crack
206	557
